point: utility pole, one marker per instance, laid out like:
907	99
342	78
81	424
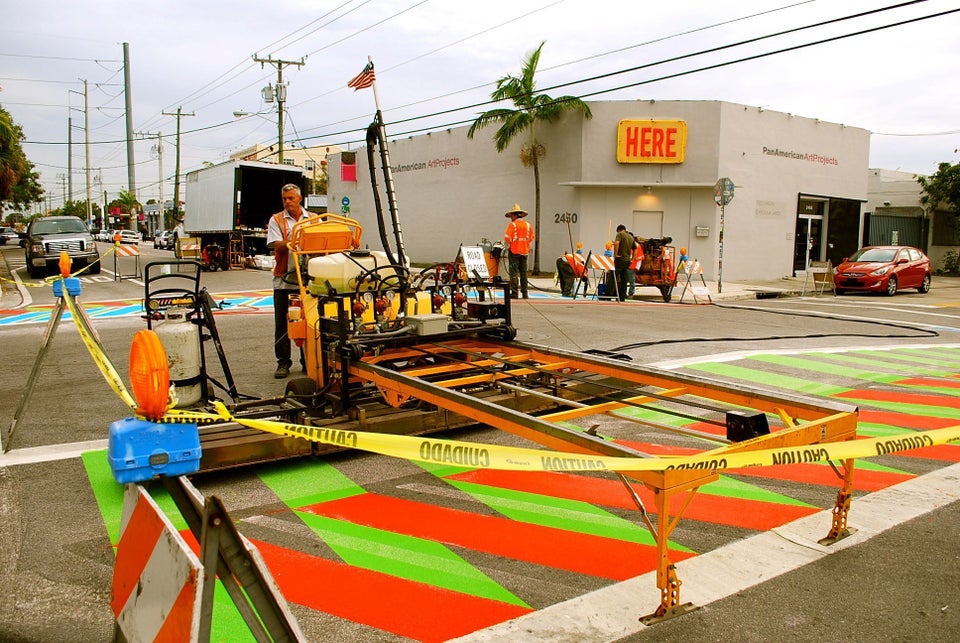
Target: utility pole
176	176
86	138
131	173
154	225
63	186
70	156
280	91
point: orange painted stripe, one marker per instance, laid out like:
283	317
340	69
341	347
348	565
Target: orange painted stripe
402	607
902	397
178	624
866	480
720	510
924	381
136	545
548	546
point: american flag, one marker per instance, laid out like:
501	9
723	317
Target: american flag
364	79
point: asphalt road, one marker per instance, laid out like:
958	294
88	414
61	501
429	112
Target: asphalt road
56	559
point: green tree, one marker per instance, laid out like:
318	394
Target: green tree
942	188
19	184
73	208
530	107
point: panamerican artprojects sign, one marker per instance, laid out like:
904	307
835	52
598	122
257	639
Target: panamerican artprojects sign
651	141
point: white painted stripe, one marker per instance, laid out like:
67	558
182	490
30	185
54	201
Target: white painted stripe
50	453
613	612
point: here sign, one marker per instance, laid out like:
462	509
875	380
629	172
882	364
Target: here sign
651	141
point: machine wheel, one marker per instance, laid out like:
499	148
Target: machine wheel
924	286
892	286
94	268
839	291
300	387
31	270
667	292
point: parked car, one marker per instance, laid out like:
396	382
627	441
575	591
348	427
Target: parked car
8	234
164	240
127	237
885	269
47	237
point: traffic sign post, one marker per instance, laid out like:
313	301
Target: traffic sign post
345	205
722	194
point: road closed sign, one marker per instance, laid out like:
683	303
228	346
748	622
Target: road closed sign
651	141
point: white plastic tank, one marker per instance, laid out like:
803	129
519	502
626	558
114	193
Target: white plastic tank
181	342
342	269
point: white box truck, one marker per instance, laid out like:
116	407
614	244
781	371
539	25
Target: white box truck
227	207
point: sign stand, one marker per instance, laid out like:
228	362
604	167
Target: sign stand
131	250
822	273
722	194
690	268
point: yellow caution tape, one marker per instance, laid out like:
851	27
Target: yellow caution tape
48	281
490	456
97	353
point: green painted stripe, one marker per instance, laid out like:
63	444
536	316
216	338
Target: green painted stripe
873	430
415	559
937	390
109	495
653	415
107	492
910	409
307	482
769	380
558	513
441	470
819	367
942	357
881	365
728	487
900	356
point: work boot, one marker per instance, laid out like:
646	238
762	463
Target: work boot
281	372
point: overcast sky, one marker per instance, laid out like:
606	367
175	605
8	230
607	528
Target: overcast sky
434	56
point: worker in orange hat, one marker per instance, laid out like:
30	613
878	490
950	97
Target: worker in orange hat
518	237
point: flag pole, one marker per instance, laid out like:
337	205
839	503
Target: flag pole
387	171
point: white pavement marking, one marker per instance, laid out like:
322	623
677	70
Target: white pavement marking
613	612
35	455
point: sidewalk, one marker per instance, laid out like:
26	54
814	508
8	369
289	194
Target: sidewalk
725	291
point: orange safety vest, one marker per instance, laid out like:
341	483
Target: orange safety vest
576	264
637	257
281	256
519	236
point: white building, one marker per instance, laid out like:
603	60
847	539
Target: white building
651	165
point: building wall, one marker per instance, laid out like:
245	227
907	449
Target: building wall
452	190
773	157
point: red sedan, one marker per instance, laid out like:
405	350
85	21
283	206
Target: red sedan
883	269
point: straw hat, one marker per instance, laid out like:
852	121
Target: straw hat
517	210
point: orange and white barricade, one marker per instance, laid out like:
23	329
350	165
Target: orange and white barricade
603	268
157	579
121	252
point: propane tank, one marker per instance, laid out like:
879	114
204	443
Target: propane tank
181	342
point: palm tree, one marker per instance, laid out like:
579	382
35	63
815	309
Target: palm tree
529	107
